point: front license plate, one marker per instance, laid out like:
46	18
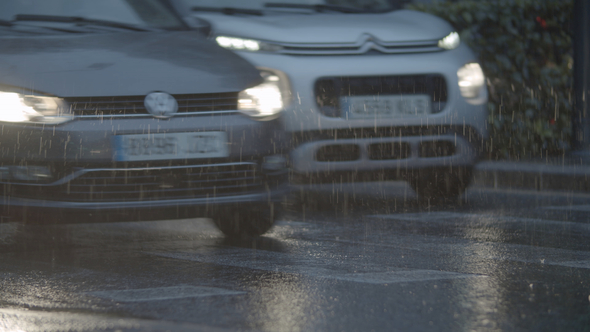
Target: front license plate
362	107
170	146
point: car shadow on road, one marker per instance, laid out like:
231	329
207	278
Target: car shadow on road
365	198
256	243
22	237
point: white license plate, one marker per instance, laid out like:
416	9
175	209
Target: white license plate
362	107
170	146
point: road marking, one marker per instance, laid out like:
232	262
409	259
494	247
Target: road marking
526	253
401	276
387	245
534	255
281	263
529	192
442	215
162	293
318	264
483	219
582	208
56	320
575	264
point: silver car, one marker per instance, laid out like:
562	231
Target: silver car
371	91
116	110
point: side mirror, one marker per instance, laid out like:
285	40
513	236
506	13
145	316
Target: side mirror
400	4
184	12
198	24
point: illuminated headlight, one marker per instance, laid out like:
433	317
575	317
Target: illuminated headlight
267	100
241	44
450	42
471	80
16	107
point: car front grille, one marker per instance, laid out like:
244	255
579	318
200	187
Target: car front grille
329	90
365	45
146	184
134	105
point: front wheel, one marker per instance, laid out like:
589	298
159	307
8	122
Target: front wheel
441	184
245	222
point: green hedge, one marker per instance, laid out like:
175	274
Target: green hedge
525	49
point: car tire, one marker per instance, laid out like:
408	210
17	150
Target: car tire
245	222
441	185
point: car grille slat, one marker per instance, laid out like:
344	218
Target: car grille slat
92	179
367	45
94	187
169	192
134	105
147	184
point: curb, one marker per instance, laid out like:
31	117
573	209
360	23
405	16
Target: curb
532	176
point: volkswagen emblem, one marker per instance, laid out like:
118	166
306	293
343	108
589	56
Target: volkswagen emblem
161	105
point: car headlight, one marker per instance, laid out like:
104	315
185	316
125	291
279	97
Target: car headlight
241	44
265	101
450	42
471	80
20	108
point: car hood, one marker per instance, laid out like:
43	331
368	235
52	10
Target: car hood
401	25
115	64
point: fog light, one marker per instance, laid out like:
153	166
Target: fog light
471	80
274	163
26	173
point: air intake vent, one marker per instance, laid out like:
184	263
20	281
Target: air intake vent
338	152
436	149
389	151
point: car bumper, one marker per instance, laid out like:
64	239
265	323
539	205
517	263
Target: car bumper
461	122
88	183
445	147
43	211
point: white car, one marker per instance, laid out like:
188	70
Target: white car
371	92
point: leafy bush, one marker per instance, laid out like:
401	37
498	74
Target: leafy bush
525	49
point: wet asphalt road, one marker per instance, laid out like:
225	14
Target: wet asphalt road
362	258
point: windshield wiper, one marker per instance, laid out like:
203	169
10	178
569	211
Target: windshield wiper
317	8
79	20
228	10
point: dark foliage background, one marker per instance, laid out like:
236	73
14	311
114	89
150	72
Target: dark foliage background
525	49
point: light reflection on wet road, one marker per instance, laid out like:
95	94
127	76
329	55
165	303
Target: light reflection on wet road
385	262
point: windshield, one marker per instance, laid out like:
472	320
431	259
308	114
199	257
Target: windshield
142	13
357	5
